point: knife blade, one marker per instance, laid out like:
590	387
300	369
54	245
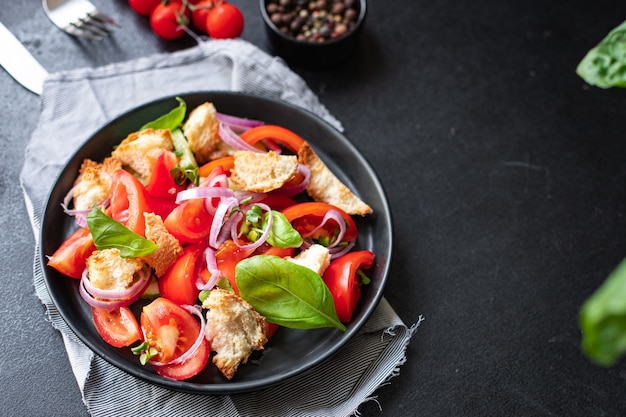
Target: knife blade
19	63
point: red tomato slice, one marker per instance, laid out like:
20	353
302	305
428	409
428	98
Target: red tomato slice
117	327
342	281
71	257
305	217
179	282
227	257
161	183
267	249
172	330
189	368
129	201
190	221
279	134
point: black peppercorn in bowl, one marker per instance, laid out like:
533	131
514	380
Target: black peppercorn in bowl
313	34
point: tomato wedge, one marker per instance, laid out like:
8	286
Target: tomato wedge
129	200
189	222
279	134
161	183
305	217
342	281
227	257
178	284
118	327
71	257
172	331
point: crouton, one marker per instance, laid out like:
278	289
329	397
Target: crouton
325	186
168	247
107	270
93	184
316	258
263	171
234	330
140	150
202	132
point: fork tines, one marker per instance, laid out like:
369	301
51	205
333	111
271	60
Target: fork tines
94	25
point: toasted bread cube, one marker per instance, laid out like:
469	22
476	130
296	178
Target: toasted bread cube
325	186
202	132
93	184
234	330
316	257
263	172
168	247
140	150
107	270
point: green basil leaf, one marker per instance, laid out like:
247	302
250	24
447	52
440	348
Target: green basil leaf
171	120
108	234
603	319
282	235
285	293
605	65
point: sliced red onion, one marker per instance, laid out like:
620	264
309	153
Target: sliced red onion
338	251
273	146
297	189
203	192
237	123
220	216
234	140
109	299
211	263
196	311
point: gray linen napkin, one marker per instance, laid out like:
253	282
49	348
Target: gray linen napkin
78	102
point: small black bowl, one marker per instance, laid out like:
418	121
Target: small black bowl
313	55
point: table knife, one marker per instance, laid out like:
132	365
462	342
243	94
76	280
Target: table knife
19	63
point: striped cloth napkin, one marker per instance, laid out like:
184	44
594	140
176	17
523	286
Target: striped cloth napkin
110	91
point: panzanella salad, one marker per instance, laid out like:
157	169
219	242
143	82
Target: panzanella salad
219	230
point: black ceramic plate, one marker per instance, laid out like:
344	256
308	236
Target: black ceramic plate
289	352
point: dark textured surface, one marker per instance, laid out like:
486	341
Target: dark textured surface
505	177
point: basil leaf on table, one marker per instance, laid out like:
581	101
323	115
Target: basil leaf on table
170	120
108	234
285	293
605	65
603	319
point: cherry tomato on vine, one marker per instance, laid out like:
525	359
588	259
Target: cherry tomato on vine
167	19
143	7
224	21
200	12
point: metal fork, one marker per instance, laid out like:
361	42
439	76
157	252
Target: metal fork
79	18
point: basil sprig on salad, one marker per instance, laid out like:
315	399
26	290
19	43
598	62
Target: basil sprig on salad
286	293
108	234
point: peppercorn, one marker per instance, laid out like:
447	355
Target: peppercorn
313	20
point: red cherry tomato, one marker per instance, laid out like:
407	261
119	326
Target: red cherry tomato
343	282
167	19
178	284
71	257
172	331
224	21
200	13
143	7
118	327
